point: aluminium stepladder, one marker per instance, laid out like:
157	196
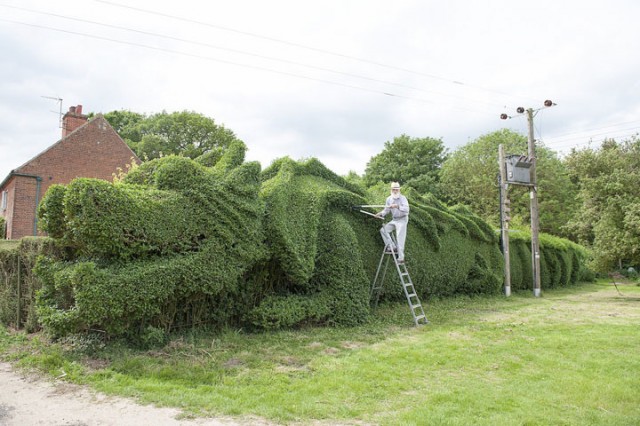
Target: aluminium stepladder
419	317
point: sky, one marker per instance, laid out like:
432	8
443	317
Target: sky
331	79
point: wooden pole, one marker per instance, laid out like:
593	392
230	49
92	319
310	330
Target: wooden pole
19	294
504	220
533	194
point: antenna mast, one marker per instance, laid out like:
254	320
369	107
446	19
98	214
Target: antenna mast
59	101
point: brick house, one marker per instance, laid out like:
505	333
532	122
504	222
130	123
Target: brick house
87	149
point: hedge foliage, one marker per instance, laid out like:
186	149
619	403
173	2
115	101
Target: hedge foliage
562	262
330	254
217	241
167	246
18	282
314	249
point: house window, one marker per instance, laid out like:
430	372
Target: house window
5	195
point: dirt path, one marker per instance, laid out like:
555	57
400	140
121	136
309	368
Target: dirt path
26	400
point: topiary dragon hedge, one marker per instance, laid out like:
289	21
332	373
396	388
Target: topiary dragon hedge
180	242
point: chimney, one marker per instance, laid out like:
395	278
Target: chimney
72	120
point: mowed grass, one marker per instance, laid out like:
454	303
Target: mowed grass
571	357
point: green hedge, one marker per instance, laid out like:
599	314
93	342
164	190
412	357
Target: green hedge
168	246
18	283
562	262
317	274
183	206
215	241
329	253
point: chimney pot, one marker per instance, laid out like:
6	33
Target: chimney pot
73	119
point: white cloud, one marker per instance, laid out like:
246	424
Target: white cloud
373	70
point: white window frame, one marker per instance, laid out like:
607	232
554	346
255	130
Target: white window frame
5	196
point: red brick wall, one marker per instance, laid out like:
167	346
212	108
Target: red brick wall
94	150
8	212
21	207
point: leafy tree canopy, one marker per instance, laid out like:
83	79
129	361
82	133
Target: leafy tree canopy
470	177
414	162
609	217
184	133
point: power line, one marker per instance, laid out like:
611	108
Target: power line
311	48
591	141
591	135
602	127
260	68
554	141
562	143
195	42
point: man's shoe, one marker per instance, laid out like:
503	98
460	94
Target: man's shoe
401	262
389	249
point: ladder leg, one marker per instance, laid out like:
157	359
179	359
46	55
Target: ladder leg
378	281
417	311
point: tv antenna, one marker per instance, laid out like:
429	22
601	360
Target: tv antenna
59	112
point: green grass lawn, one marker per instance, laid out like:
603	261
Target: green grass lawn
571	357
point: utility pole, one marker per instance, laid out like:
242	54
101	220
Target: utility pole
533	194
504	220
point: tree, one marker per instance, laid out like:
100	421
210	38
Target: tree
126	124
609	220
470	176
413	162
355	179
185	133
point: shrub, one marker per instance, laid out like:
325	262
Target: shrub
19	284
167	247
329	254
178	242
562	262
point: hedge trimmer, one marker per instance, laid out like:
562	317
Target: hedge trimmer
360	207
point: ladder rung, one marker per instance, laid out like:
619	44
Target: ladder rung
405	280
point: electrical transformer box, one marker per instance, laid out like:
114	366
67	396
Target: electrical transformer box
519	169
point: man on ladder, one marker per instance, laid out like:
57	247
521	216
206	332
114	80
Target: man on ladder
398	206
